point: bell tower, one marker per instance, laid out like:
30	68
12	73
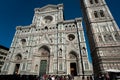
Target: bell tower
103	34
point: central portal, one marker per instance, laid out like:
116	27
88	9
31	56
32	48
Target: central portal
16	68
73	69
43	67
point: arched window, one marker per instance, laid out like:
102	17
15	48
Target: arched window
95	14
100	38
60	51
73	26
91	2
36	67
105	37
102	13
96	1
117	37
46	28
110	38
84	50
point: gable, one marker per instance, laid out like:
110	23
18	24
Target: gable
45	39
48	8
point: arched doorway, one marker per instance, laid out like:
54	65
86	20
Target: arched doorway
45	58
73	63
18	58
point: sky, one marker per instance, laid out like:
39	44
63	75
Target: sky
20	12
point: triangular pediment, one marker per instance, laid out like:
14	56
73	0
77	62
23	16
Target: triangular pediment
71	46
48	8
45	39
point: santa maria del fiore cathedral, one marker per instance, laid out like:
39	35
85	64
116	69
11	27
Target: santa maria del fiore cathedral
50	45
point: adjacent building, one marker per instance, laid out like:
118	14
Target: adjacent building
103	34
50	45
3	54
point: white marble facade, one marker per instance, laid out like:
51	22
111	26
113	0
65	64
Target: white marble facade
50	45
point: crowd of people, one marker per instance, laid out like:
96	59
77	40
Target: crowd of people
35	77
57	77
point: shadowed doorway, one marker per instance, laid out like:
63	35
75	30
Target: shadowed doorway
16	68
73	69
18	58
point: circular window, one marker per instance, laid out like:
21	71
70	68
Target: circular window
18	57
48	19
71	37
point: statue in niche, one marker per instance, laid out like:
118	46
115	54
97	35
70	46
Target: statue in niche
36	67
60	52
51	40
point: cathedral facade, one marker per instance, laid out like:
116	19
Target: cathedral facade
50	45
103	34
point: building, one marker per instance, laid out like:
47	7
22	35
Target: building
103	34
50	45
3	54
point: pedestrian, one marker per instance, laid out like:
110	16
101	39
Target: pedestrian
107	76
53	77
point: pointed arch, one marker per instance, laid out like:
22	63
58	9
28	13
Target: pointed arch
96	14
73	55
45	39
102	13
23	41
117	36
91	1
74	63
96	1
46	28
45	50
